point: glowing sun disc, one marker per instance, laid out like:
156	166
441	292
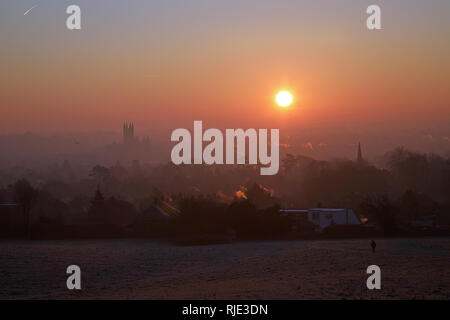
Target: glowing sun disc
284	99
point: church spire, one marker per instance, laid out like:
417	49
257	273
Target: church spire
360	158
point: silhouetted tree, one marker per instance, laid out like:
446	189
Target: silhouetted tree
200	216
410	203
24	195
382	211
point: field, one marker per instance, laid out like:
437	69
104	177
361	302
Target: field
147	269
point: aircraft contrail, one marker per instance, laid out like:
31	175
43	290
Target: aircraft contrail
26	12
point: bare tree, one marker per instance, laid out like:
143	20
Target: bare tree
24	195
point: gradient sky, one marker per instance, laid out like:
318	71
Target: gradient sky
166	63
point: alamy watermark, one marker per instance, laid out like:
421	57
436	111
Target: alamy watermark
73	21
373	22
374	280
235	147
74	280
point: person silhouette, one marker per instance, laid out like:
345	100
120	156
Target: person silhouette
373	244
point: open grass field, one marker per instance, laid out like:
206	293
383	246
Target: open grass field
148	269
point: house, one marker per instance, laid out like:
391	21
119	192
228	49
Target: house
422	224
154	221
323	217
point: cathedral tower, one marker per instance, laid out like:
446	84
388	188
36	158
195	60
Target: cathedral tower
128	133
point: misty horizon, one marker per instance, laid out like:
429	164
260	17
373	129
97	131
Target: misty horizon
341	144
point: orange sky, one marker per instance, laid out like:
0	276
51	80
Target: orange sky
223	63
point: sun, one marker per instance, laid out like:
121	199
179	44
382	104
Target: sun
284	99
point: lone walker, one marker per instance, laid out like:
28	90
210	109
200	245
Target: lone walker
373	244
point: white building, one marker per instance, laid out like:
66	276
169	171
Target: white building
323	217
